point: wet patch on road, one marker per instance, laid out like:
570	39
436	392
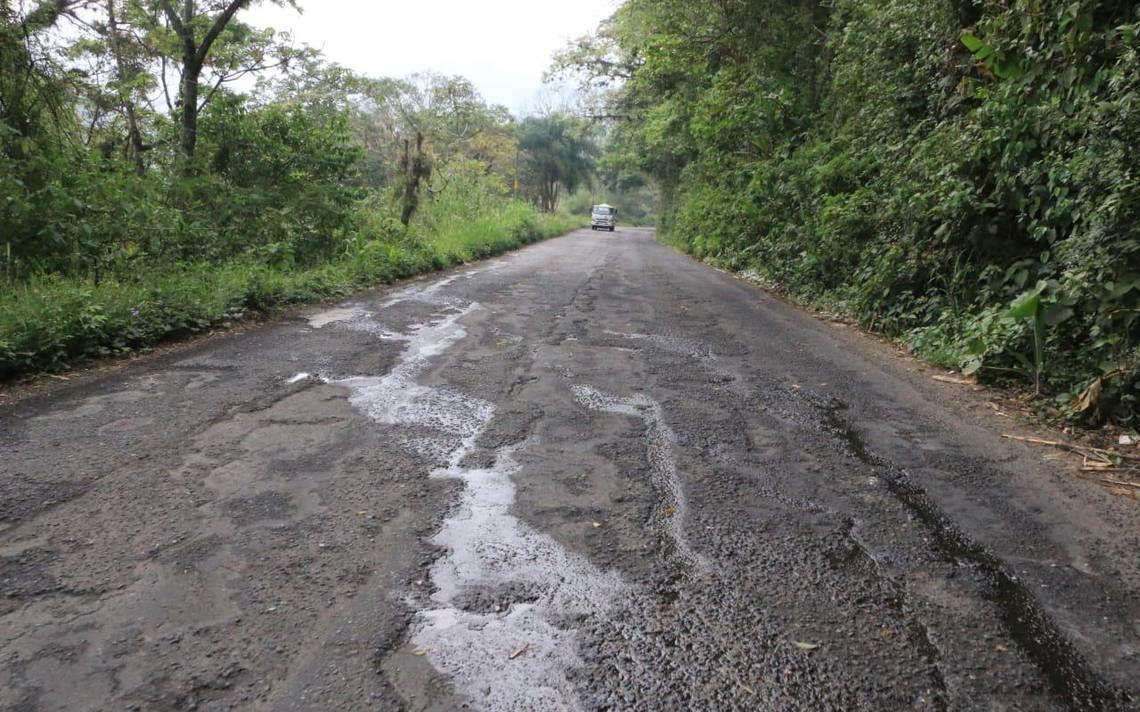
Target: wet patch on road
332	316
27	574
21	496
452	418
260	507
518	657
518	654
95	405
674	344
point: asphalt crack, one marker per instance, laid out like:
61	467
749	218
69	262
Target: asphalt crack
917	632
1073	681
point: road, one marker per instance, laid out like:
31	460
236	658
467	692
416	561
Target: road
592	474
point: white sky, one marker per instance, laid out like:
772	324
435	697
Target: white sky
503	46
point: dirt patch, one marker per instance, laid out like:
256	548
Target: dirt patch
260	507
28	574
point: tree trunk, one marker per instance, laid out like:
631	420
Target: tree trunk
416	170
135	146
549	196
188	97
135	137
193	59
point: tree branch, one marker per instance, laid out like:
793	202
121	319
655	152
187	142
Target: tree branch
173	18
166	87
216	29
233	77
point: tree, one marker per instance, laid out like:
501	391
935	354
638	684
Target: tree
127	76
33	86
416	169
187	23
559	154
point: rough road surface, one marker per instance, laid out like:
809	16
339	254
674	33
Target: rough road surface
592	474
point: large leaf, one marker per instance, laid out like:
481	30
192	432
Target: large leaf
977	47
1089	396
1125	285
1028	304
972	365
972	42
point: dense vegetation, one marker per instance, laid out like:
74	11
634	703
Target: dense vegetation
961	174
143	197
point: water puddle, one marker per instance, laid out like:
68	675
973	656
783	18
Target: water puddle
430	293
331	316
672	344
420	293
517	655
518	658
452	418
699	352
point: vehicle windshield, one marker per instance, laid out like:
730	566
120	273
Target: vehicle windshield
603	211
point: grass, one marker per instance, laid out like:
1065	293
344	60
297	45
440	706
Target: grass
51	324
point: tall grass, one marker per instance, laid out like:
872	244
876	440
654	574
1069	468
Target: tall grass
51	323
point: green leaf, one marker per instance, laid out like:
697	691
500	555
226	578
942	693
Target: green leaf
972	366
1027	305
1125	285
972	42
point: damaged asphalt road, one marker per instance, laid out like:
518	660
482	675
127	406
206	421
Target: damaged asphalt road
592	474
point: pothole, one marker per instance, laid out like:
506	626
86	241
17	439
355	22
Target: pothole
670	514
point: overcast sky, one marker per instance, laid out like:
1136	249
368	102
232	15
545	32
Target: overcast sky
503	46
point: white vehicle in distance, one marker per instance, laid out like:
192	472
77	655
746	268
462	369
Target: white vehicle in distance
603	217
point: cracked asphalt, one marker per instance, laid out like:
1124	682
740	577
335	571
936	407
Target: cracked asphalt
592	474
